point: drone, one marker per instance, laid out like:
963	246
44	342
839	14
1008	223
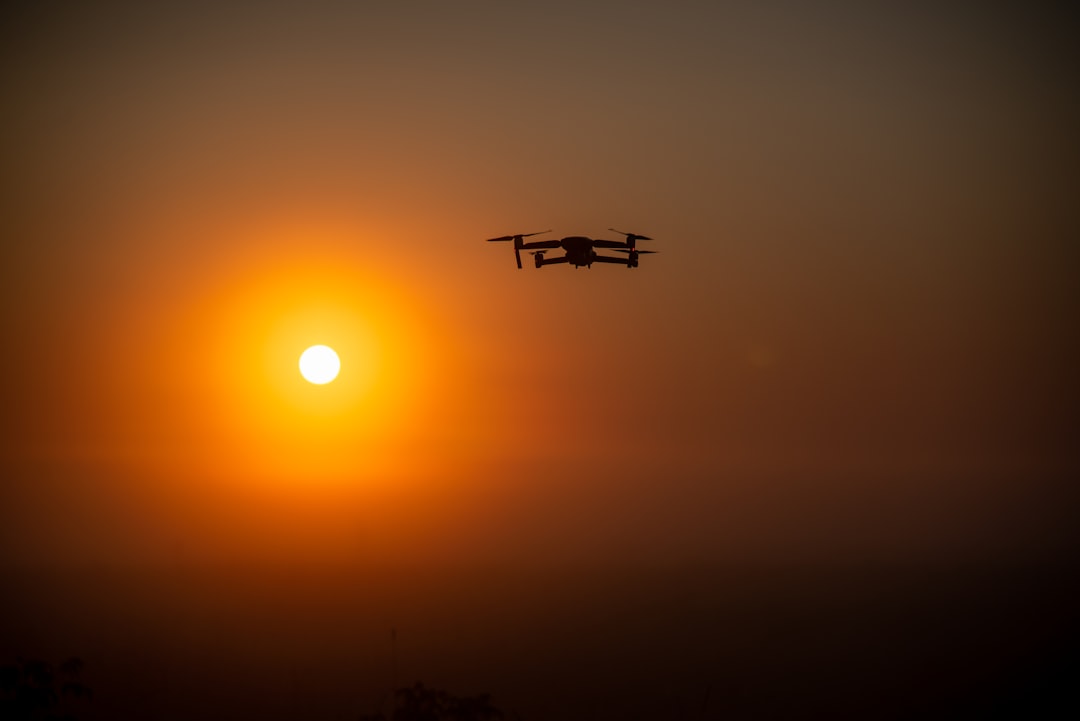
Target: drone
580	250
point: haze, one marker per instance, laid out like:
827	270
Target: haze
856	346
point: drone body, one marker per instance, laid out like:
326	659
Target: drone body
579	250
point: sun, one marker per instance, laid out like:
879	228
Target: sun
319	364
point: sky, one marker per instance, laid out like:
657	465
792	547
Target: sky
763	474
857	341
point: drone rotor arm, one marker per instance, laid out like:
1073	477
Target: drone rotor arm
542	244
610	259
554	261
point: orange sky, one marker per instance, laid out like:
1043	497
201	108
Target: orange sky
858	339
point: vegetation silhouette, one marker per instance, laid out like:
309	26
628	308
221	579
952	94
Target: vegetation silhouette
32	689
420	703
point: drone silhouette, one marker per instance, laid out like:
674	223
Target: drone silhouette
580	250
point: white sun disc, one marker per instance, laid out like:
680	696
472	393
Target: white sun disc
319	364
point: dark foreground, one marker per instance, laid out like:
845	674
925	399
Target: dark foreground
726	642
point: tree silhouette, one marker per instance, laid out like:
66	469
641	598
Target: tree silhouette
419	703
32	689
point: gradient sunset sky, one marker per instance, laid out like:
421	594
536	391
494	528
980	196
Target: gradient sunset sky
858	340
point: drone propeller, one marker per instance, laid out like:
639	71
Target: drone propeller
634	250
516	238
517	243
630	236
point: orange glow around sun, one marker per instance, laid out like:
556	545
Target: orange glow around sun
212	420
212	406
271	422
